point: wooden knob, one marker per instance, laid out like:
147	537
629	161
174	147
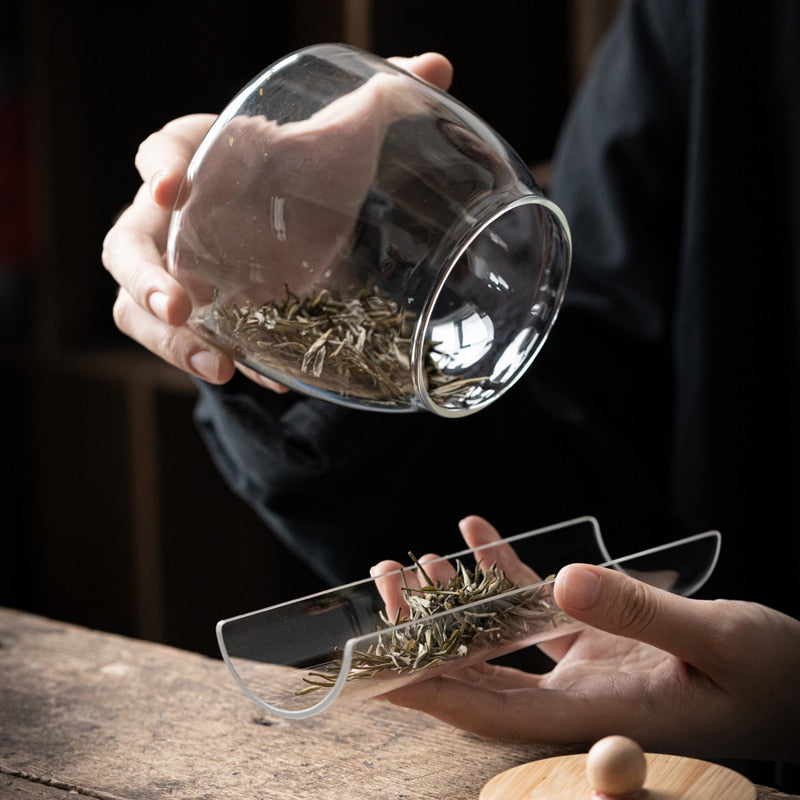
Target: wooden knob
616	768
596	776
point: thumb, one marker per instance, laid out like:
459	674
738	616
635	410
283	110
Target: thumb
611	601
430	67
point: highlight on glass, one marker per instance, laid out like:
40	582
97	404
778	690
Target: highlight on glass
362	237
365	638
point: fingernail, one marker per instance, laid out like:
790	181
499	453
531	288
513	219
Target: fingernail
205	364
158	302
581	587
154	181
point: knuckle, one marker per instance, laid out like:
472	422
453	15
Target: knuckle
109	241
144	145
636	611
169	346
119	311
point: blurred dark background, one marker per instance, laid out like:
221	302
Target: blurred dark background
112	514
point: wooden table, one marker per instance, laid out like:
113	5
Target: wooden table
90	714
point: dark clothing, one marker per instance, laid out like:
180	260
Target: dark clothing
679	171
666	400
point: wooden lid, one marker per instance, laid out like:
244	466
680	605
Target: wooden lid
668	778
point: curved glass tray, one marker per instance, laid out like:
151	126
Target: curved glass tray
296	658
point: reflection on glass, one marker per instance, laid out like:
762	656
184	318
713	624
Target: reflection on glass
295	659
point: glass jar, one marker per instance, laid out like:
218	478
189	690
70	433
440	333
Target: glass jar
361	236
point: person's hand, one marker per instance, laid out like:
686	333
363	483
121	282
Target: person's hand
393	585
702	678
151	306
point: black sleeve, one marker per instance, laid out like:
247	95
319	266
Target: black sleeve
346	488
581	433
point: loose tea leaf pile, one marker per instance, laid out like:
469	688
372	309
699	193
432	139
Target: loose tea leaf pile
430	642
357	346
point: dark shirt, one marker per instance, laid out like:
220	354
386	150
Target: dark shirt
665	401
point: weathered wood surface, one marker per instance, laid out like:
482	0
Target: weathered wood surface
92	714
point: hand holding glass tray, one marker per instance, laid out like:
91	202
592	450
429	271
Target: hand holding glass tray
372	636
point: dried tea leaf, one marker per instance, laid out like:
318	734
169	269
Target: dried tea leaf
358	346
431	642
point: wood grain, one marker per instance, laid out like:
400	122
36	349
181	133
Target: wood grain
112	717
668	778
98	715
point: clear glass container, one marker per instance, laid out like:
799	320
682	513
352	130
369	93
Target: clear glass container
296	658
360	236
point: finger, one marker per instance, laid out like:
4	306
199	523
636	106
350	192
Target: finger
151	306
389	582
262	380
432	569
433	68
558	648
496	677
163	157
493	677
484	538
146	220
614	602
472	706
133	255
175	345
522	714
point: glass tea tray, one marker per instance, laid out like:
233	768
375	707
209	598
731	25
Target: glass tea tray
296	658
